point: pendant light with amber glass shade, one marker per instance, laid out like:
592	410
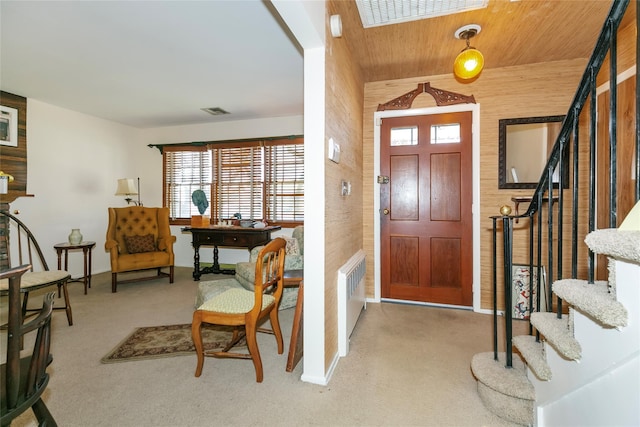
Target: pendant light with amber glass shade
469	62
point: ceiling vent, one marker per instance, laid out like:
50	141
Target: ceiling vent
215	111
374	13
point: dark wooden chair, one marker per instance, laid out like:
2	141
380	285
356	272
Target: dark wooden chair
246	310
23	380
22	244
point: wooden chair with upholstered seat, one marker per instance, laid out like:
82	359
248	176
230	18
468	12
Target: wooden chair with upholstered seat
23	246
139	238
294	262
246	310
23	380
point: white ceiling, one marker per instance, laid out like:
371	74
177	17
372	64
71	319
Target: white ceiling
152	63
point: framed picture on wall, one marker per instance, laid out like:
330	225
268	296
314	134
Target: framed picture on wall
521	276
8	126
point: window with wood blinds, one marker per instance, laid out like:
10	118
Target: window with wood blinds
238	182
186	169
259	179
284	190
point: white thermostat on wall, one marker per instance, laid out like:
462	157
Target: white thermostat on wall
334	151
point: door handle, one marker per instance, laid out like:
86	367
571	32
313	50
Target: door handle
385	211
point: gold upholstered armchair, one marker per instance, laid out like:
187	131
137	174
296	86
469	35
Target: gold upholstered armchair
139	238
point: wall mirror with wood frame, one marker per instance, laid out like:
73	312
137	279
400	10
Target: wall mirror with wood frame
524	147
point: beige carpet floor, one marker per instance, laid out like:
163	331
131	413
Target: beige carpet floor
408	366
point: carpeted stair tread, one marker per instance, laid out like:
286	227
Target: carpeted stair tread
513	409
509	381
593	299
506	392
557	333
623	244
533	353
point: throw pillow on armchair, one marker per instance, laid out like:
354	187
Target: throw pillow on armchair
294	260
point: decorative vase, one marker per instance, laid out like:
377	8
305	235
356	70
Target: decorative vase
75	237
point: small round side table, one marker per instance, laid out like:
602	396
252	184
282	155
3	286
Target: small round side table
86	249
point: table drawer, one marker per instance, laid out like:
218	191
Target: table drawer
237	240
208	239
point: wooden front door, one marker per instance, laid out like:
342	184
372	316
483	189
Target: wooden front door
426	251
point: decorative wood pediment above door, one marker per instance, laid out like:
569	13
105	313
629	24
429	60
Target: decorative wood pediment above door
442	97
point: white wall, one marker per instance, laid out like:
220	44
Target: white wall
75	159
73	163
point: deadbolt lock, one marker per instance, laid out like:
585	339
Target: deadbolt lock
385	211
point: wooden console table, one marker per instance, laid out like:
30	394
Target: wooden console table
234	236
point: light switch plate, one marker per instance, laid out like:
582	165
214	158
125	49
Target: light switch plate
345	188
334	151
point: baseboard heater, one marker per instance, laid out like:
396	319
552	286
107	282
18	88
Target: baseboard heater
351	298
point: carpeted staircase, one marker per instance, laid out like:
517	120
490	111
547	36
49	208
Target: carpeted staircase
585	369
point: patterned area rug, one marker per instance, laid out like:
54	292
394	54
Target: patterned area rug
165	341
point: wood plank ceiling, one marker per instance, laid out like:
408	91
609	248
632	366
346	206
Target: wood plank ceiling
513	33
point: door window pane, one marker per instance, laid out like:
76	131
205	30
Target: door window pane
445	134
404	136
